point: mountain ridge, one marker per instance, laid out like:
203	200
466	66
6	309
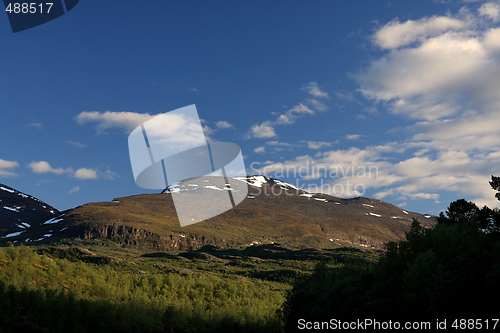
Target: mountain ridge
273	212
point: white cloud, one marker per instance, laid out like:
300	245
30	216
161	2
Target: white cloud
317	144
75	144
74	189
264	130
308	107
84	173
315	104
4	164
223	124
395	34
45	167
353	137
278	143
109	119
111	175
35	124
347	173
313	89
81	173
445	72
490	10
259	150
451	70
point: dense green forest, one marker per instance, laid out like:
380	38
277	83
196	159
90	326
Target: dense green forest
450	271
37	292
70	289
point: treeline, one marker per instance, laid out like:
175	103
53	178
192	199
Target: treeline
40	294
450	271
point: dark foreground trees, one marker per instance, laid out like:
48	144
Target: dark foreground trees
450	271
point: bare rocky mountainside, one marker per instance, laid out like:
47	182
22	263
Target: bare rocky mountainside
273	212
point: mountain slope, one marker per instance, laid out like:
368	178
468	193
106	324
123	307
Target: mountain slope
19	211
274	211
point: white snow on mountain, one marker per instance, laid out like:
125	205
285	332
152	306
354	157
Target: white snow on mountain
213	187
6	189
256	181
54	220
13	234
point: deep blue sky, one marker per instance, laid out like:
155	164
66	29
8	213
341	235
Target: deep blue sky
408	87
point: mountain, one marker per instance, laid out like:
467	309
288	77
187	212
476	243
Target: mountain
19	211
273	212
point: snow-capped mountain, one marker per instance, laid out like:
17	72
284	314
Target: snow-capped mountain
20	211
272	211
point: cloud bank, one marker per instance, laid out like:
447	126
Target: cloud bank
443	73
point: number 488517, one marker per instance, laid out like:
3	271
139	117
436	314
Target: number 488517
475	324
26	8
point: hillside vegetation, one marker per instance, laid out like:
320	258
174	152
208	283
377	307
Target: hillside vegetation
70	289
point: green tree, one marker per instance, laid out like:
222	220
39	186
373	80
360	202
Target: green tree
495	184
459	211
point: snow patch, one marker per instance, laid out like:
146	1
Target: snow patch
12	209
286	185
368	205
321	199
13	234
427	216
53	220
6	189
377	215
404	211
256	181
213	187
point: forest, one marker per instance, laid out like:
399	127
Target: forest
450	271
